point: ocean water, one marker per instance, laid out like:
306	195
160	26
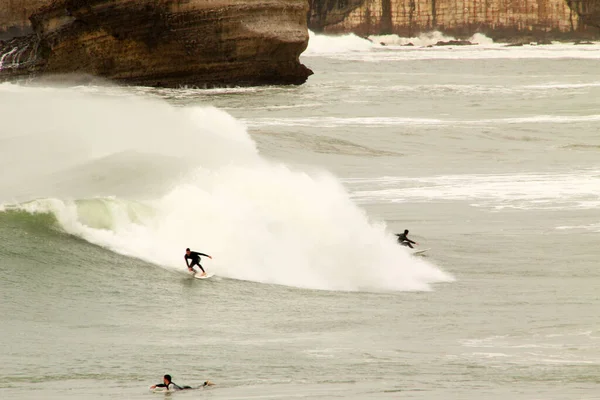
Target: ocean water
490	155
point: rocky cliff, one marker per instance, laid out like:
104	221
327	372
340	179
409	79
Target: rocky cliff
329	12
587	10
165	42
499	19
14	16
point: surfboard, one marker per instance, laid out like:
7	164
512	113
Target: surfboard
198	275
418	252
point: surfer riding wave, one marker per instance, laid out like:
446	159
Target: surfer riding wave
195	260
404	240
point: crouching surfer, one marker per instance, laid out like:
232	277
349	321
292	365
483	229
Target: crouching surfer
404	240
168	384
195	258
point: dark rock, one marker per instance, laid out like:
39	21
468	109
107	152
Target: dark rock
454	43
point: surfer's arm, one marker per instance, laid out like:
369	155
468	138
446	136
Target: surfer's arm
158	385
186	261
205	255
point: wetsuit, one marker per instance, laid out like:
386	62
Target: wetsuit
173	386
195	257
403	240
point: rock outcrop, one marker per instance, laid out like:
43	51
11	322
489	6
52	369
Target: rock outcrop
166	43
498	19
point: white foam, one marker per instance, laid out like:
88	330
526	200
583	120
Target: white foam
481	39
588	227
427	39
332	122
260	221
490	355
352	47
330	44
424	39
527	349
576	190
559	85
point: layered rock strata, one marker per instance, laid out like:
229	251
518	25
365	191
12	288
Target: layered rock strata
499	19
166	43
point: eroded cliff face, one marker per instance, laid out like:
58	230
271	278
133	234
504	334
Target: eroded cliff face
14	16
587	10
499	19
329	12
166	42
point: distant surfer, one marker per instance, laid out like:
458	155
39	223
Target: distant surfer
170	385
404	240
195	258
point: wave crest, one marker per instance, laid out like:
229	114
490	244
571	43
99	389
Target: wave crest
262	221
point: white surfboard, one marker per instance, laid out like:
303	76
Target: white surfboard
418	252
198	275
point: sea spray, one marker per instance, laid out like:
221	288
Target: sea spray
69	143
329	44
427	39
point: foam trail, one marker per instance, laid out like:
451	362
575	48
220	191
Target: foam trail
261	221
572	190
330	122
423	40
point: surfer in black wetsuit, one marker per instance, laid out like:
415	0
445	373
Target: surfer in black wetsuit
168	383
195	257
404	240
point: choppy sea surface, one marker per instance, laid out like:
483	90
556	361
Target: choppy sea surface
489	155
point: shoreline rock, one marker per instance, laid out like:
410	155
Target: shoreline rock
455	43
196	43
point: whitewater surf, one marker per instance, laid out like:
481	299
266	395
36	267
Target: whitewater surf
146	179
